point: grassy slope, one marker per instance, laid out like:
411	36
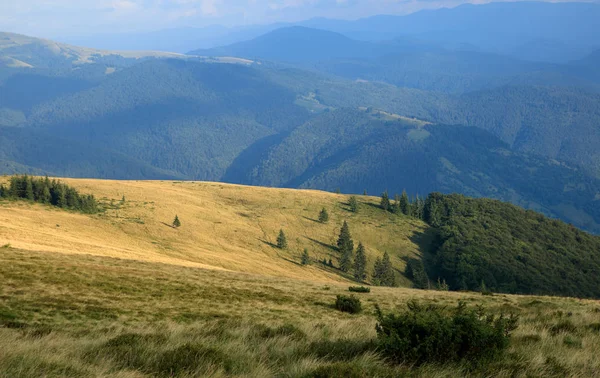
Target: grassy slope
121	294
223	227
99	316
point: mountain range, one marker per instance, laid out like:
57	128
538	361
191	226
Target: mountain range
314	108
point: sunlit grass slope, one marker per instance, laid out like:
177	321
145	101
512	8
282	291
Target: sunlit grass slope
91	316
224	226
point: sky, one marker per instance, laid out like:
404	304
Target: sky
55	18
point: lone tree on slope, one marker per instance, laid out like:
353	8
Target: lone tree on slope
176	222
305	257
353	202
323	216
281	240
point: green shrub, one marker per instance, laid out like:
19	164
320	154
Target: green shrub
359	289
349	304
189	358
430	334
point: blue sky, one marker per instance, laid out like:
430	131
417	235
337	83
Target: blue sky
52	18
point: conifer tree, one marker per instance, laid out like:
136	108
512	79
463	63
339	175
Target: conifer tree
3	192
388	278
176	222
396	206
323	216
353	202
29	189
345	242
305	257
383	272
377	271
404	203
365	192
330	263
360	263
281	240
385	201
346	260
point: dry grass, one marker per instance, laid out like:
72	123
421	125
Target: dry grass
121	294
98	316
223	227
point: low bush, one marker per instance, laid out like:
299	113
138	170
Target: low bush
432	334
349	304
359	289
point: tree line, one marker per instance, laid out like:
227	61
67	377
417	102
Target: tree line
51	192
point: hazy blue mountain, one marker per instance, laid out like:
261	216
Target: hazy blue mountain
298	44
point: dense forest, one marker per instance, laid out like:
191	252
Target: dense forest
491	245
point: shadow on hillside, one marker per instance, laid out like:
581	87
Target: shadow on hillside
428	242
325	245
268	243
311	219
168	225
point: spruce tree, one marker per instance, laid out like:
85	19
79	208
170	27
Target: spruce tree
383	272
176	222
281	240
365	192
305	257
323	216
385	201
396	206
404	203
388	277
345	242
377	274
346	260
29	189
360	263
353	202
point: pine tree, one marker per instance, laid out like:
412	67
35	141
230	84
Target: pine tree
383	272
330	263
3	191
345	242
176	222
360	263
385	201
346	260
388	276
365	192
377	271
29	189
396	206
281	240
404	203
323	216
353	202
305	257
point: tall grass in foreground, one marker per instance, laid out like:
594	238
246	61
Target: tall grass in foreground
96	317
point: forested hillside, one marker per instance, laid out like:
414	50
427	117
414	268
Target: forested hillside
268	124
489	245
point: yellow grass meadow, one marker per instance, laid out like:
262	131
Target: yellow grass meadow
124	294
